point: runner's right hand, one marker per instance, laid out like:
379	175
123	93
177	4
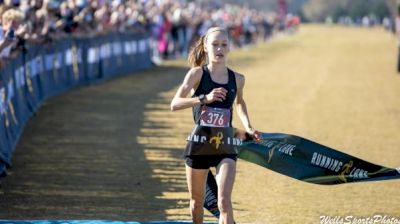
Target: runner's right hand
217	94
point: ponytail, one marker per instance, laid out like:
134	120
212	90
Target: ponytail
197	55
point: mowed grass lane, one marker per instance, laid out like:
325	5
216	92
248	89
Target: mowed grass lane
334	85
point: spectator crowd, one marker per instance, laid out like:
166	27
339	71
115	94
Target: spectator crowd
370	20
173	24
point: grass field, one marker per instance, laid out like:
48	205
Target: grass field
113	151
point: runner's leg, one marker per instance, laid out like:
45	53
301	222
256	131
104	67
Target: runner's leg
196	179
226	172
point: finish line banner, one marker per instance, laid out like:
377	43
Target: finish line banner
303	160
311	162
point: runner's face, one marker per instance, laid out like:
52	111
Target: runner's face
217	47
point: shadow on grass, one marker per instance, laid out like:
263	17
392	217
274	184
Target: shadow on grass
80	158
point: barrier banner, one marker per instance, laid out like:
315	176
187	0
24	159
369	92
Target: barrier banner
21	106
307	161
8	114
4	136
32	67
43	71
92	56
204	140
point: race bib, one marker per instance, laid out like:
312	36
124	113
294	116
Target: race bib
215	117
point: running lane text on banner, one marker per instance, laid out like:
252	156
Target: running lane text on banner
311	162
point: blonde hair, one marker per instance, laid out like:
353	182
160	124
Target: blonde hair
197	54
12	14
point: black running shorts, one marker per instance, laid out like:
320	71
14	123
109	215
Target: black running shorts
206	162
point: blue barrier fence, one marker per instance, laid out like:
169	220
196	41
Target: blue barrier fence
45	71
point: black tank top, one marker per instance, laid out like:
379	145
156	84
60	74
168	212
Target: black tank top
207	85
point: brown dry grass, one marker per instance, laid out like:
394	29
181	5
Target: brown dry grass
113	151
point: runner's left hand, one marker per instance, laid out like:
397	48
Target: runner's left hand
255	134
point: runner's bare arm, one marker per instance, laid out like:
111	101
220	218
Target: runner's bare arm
240	104
192	80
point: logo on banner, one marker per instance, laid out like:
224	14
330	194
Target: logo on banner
10	91
270	154
346	170
282	147
3	106
2	101
217	139
75	67
12	111
56	66
354	172
28	79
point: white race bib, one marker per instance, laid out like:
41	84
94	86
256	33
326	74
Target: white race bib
215	117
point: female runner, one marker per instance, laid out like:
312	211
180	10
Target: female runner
214	89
